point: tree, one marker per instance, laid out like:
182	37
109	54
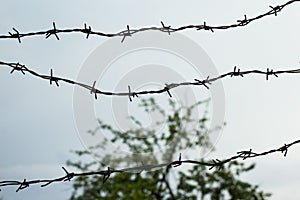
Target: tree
188	182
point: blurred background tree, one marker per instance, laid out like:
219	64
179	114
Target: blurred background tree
149	148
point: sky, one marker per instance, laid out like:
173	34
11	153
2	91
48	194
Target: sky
37	125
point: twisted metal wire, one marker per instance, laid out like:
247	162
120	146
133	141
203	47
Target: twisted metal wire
215	163
205	82
131	94
128	32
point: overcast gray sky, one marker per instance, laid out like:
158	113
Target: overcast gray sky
37	130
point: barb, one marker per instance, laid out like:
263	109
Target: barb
197	82
93	90
87	31
15	35
53	78
54	31
215	163
274	10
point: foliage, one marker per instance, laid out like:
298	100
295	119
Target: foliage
182	132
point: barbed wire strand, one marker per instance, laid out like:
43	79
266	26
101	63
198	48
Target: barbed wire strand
274	10
215	163
129	32
166	89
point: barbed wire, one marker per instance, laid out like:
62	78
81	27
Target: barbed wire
215	163
130	94
129	32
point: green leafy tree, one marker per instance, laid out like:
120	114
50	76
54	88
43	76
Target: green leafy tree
181	132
